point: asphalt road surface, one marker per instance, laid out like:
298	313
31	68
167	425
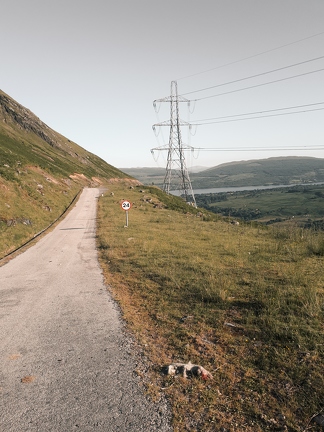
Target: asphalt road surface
66	362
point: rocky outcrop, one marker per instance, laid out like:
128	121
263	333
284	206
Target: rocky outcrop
12	112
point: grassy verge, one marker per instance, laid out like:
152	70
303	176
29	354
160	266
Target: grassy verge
30	204
244	302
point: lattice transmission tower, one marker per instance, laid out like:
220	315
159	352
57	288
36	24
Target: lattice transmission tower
176	175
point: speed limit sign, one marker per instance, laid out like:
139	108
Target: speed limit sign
125	205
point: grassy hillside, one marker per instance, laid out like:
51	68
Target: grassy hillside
246	303
272	171
303	205
40	173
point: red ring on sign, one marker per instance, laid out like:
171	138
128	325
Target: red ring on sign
125	205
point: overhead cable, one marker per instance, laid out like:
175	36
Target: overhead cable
257	117
260	85
251	149
252	56
255	76
259	112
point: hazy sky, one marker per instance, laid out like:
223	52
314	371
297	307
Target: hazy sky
91	70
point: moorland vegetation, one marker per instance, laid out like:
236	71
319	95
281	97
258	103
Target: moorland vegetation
244	301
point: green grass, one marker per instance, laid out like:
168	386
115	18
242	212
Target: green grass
254	302
29	204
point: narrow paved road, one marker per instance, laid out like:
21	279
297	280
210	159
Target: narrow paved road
66	364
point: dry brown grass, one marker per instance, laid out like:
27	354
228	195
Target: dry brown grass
244	302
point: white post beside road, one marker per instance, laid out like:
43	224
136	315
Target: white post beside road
126	205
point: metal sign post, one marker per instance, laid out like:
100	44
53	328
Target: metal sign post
126	205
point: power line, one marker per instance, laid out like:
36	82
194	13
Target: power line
252	149
257	117
259	85
255	76
252	56
285	148
230	118
261	112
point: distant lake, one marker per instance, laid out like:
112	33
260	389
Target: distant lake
243	188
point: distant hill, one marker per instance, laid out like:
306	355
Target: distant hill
146	175
154	175
273	171
41	171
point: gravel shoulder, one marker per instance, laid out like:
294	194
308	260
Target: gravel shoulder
66	362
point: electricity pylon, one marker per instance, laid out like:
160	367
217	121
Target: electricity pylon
176	175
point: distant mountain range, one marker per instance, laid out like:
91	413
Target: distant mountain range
272	171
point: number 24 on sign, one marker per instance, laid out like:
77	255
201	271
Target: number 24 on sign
126	205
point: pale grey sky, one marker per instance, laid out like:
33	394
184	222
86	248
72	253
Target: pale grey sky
91	70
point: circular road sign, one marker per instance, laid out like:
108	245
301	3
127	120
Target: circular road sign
125	205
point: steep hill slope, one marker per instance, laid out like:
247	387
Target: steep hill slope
26	139
41	172
272	171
